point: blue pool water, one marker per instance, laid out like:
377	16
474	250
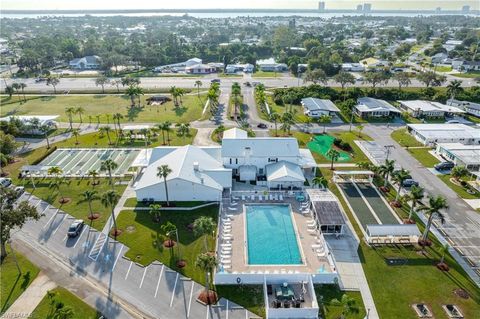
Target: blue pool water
271	237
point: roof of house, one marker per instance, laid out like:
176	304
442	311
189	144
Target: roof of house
182	162
469	154
429	106
235	133
89	59
260	147
284	171
471	105
314	104
368	104
434	131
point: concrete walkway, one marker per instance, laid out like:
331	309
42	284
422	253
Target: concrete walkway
203	137
29	300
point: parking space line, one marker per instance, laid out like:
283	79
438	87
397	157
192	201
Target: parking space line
246	314
158	283
118	256
190	302
79	237
226	317
59	225
208	310
173	291
53	216
143	277
128	271
36	205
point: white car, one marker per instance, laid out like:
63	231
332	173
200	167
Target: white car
5	182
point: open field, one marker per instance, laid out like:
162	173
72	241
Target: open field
80	309
423	156
101	105
13	283
402	137
469	75
263	74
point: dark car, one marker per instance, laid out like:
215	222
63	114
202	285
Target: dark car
215	81
262	125
409	183
75	228
444	166
247	83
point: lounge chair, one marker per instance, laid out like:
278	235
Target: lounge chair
226	220
227	224
322	254
233	203
225	261
276	272
270	196
281	197
290	272
252	197
227	248
232	208
230	245
229	215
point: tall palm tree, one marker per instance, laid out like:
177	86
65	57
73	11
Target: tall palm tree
163	171
80	111
56	184
155	212
360	128
76	133
454	87
168	129
3	163
207	262
89	196
444	250
320	181
93	174
275	117
70	111
109	165
183	130
435	204
174	92
162	128
16	87
145	133
45	129
132	91
106	129
415	195
236	90
116	119
110	199
22	86
386	170
198	84
204	226
399	177
324	119
334	155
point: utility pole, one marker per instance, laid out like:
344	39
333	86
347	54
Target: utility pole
388	148
351	121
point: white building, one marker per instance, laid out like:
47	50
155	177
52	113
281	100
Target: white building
460	154
353	67
469	107
32	123
269	65
420	108
431	134
200	69
234	68
193	65
89	62
314	107
368	107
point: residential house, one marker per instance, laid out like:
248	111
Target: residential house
469	107
431	134
269	65
368	107
421	109
90	62
314	107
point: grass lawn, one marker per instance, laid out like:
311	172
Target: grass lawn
132	202
263	74
402	137
248	296
145	239
442	68
104	105
472	118
460	190
280	109
423	156
470	75
326	293
396	288
45	309
13	283
357	154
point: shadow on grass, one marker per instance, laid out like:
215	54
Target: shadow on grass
132	112
179	111
23	286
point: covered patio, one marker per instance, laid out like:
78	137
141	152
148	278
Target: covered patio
404	234
352	176
284	175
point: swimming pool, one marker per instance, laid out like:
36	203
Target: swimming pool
271	238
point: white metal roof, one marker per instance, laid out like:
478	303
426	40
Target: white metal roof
429	106
368	104
306	158
260	147
181	161
469	154
284	171
314	104
235	133
435	131
393	230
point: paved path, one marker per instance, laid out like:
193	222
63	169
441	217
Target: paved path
203	137
30	298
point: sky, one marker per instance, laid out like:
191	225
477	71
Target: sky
183	4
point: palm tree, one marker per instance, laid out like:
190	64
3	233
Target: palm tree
169	229
132	91
334	155
174	92
163	171
360	129
109	165
236	90
399	177
107	130
56	184
386	169
324	119
55	171
204	226
162	128
110	199
207	262
320	181
435	204
444	250
347	303
89	196
454	87
145	133
16	87
80	110
155	212
415	195
3	162
93	174
458	172
168	129
275	117
198	84
183	130
45	129
76	133
22	86
70	111
117	117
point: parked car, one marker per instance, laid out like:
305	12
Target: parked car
453	122
215	81
5	182
247	83
444	166
19	190
409	183
37	80
75	228
262	125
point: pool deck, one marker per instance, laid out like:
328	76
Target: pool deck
305	239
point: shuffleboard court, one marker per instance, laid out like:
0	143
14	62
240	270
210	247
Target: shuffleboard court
378	205
360	209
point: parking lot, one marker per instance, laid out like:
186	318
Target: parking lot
156	289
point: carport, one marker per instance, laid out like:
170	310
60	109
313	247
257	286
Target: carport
404	234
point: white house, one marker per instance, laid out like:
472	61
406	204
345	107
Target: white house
431	134
234	68
197	174
420	108
314	107
461	154
269	65
469	107
32	123
89	62
179	67
200	69
369	107
353	67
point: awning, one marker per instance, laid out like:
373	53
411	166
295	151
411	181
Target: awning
402	230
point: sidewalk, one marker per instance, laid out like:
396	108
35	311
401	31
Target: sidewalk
29	300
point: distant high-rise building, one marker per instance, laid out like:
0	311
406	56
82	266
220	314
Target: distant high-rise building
367	7
466	9
359	7
321	6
